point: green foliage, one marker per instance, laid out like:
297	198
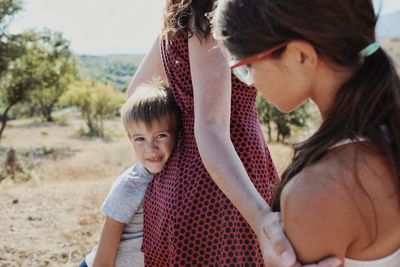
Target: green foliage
9	49
7	9
96	103
58	68
115	69
22	75
284	122
35	67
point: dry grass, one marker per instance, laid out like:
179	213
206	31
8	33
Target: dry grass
281	155
54	220
86	158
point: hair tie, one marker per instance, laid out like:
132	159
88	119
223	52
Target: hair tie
370	49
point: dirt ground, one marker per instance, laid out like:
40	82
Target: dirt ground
54	219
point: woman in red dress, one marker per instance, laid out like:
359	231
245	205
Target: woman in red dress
209	205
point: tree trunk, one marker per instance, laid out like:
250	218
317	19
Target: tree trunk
269	125
5	119
46	112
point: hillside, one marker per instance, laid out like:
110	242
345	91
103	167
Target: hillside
118	69
115	69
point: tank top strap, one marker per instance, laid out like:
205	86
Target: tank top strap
350	141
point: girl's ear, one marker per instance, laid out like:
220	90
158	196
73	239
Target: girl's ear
302	53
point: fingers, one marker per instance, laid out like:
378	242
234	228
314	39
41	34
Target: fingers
277	250
328	262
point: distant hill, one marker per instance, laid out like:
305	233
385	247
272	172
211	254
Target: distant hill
119	69
115	69
389	25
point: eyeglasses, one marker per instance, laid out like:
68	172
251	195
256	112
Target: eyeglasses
242	68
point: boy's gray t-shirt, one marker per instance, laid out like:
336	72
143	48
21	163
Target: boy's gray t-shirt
124	203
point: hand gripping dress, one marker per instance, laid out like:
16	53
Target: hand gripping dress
188	221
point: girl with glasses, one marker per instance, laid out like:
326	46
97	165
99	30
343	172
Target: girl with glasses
341	194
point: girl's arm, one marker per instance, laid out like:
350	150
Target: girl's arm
151	67
109	242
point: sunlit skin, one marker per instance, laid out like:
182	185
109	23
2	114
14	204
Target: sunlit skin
298	74
286	81
154	144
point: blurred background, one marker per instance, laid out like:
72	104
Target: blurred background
64	69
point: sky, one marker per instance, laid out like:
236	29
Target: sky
100	27
96	26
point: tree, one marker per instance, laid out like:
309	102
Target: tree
59	69
9	50
264	114
96	103
26	63
284	122
29	62
21	76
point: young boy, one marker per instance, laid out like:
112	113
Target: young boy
150	117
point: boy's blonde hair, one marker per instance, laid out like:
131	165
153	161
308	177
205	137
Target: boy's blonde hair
149	103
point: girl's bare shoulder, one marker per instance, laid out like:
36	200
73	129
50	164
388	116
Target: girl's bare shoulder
319	211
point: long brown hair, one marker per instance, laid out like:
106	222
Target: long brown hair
367	104
177	13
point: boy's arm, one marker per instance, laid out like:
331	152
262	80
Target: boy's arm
109	243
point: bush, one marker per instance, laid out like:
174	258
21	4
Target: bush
96	103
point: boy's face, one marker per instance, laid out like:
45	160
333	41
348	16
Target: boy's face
153	145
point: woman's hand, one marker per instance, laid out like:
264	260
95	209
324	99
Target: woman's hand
276	248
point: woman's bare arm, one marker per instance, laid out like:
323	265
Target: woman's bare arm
211	77
151	67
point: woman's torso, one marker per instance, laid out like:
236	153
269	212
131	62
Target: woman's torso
188	220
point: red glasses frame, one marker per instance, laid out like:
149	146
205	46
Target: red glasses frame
262	55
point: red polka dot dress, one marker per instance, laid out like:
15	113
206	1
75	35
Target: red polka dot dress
188	221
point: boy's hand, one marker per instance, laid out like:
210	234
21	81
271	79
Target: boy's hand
276	248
